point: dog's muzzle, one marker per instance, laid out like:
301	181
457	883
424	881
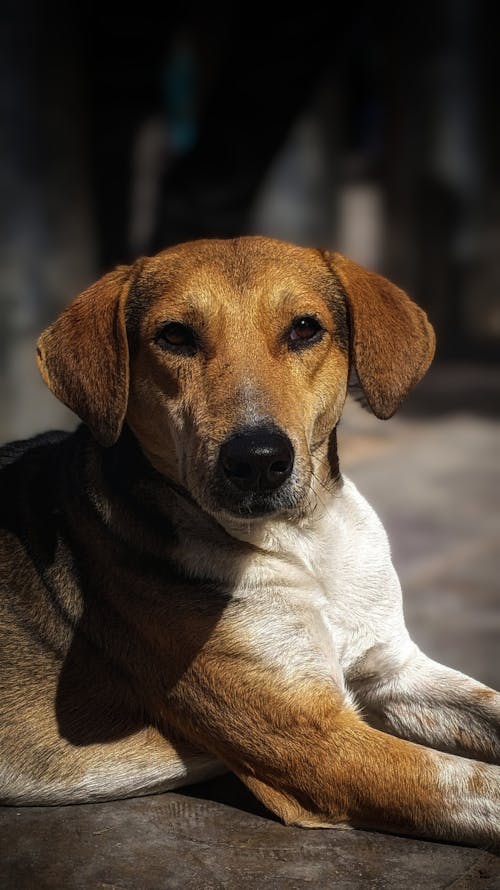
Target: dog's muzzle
253	466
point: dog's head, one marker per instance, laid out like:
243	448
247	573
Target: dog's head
229	360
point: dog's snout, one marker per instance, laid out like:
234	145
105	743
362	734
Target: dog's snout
257	460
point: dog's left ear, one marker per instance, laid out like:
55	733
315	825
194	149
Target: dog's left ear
392	341
83	356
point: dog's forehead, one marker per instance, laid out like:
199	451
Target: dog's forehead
239	270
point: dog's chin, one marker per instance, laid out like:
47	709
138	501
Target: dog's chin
249	507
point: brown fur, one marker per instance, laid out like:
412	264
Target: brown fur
83	357
215	392
393	342
307	756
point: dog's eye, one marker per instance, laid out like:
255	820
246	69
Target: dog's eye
178	338
304	331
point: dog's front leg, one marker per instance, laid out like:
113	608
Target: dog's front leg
300	746
429	703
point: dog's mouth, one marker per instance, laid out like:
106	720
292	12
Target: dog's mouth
255	506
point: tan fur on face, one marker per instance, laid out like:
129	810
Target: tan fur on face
241	298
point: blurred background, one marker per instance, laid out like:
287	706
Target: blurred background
373	130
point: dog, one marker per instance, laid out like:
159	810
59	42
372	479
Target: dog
189	585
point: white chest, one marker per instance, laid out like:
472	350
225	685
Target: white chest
326	589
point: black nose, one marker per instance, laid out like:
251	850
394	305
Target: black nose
257	460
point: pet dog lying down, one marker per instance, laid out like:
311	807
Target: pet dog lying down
187	582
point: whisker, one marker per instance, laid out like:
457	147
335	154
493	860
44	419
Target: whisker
320	499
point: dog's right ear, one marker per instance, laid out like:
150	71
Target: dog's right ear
83	356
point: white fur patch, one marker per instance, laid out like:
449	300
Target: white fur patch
472	794
321	591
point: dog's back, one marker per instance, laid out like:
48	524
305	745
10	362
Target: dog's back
34	447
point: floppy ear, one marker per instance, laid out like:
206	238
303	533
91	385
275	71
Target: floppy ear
392	341
83	356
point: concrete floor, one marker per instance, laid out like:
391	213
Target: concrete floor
433	474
